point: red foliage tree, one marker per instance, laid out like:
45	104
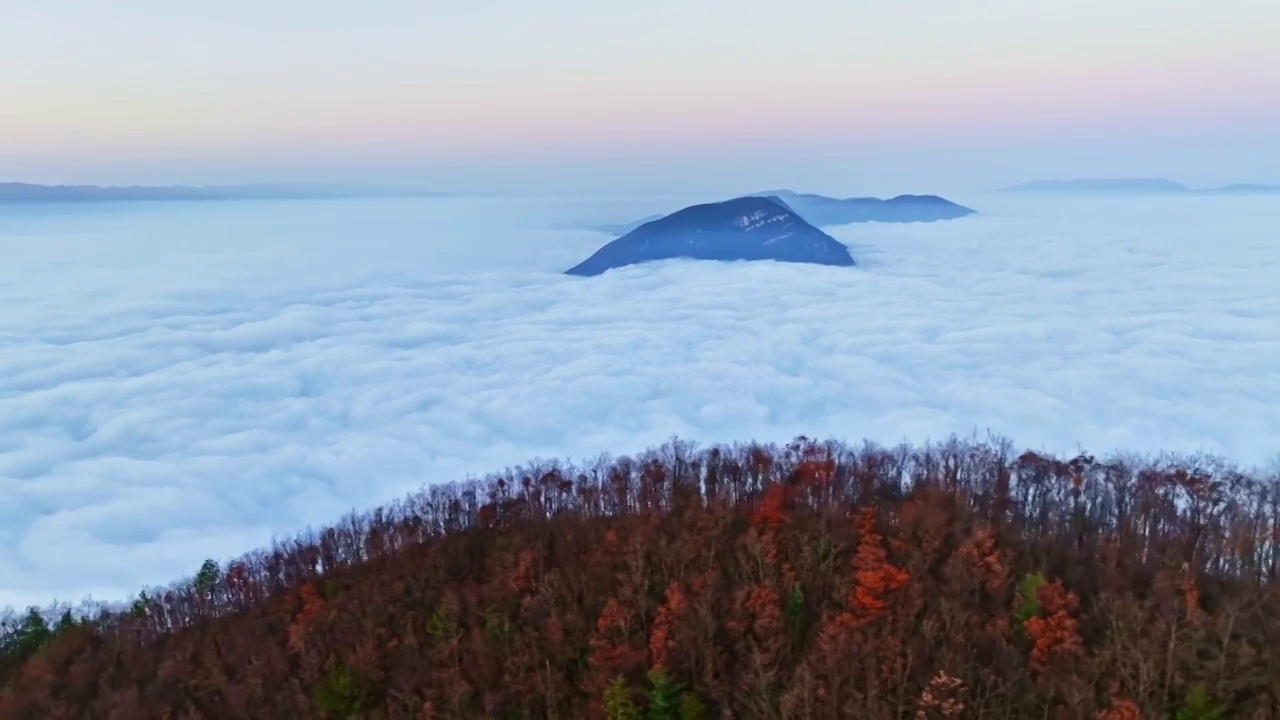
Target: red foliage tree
660	643
771	511
613	651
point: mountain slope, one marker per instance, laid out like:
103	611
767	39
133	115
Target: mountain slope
816	580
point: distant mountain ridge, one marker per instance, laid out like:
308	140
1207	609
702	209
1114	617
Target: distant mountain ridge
1159	186
31	193
744	228
823	211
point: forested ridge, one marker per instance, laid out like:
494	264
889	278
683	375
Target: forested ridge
811	580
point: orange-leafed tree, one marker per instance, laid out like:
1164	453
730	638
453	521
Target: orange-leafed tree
313	608
1121	709
875	578
1055	632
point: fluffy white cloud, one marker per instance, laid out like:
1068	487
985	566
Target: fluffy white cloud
178	382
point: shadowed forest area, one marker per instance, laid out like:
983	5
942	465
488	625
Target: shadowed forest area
812	580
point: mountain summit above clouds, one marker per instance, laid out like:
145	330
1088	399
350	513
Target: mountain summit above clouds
745	228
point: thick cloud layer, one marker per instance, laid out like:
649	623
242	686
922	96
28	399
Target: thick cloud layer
185	381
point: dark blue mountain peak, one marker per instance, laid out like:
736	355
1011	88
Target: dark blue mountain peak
744	228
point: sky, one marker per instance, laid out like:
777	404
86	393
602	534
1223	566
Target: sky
572	96
186	380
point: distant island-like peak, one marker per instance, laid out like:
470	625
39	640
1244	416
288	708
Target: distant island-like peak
744	228
1136	186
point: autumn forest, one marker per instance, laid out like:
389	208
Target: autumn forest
966	579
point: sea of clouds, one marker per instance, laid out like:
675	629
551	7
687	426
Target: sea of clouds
182	381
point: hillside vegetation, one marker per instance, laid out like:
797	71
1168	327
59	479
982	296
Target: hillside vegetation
815	580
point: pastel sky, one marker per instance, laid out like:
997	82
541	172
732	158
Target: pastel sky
686	95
